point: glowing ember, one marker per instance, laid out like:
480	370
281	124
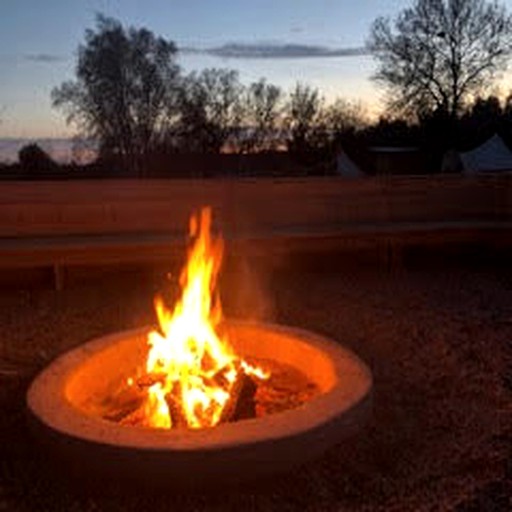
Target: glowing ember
191	371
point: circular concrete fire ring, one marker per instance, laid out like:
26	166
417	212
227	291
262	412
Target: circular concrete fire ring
84	444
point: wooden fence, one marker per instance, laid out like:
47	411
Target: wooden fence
40	220
29	209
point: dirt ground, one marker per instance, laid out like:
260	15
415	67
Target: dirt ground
439	343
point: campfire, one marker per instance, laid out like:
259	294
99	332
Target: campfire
226	399
193	378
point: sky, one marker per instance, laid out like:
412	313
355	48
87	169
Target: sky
39	41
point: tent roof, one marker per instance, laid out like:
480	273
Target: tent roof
346	167
492	155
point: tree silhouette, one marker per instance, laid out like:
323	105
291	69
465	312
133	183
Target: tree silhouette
303	112
123	94
210	110
337	123
344	116
482	120
34	159
262	113
437	54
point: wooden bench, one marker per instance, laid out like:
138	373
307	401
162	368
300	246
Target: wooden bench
64	224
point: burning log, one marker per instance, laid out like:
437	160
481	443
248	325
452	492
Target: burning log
122	403
135	418
173	399
249	396
241	403
246	403
148	379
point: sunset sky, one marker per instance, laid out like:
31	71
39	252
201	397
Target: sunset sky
39	39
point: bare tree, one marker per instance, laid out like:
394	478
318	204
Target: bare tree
438	54
303	113
125	80
343	117
210	110
262	117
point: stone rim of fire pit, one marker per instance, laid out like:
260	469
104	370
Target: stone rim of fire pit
326	419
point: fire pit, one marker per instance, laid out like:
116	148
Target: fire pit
200	400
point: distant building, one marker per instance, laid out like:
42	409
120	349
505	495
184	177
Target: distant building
267	163
396	160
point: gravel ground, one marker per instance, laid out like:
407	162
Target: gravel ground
439	342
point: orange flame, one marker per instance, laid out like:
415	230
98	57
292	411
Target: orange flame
192	367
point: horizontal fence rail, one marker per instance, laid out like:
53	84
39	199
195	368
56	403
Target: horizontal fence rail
66	223
248	205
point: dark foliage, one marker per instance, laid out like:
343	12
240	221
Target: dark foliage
149	120
124	90
210	111
33	159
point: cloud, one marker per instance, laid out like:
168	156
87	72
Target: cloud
44	57
276	51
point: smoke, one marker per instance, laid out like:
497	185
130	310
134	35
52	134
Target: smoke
246	288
